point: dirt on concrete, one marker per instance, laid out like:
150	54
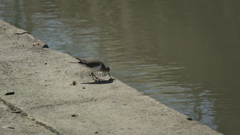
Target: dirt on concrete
12	122
40	99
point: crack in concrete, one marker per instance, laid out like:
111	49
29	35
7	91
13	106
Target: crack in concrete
15	109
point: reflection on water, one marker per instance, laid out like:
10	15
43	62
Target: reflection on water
183	53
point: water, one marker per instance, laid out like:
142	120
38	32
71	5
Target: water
183	53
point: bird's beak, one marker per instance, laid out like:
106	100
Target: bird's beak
109	74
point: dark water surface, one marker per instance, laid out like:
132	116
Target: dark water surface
183	53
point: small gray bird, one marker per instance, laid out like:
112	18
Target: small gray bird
93	66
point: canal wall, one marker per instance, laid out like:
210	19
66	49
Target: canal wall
37	96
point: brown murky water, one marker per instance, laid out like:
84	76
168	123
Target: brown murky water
183	53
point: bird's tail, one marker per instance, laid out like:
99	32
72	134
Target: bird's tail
76	62
79	59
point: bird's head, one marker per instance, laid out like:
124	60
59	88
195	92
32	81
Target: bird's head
108	70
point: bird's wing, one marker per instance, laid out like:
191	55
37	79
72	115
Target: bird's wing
93	64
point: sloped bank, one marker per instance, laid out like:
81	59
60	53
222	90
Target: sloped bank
40	78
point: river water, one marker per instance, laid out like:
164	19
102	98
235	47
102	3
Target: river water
183	53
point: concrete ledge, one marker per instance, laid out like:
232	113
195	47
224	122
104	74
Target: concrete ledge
40	78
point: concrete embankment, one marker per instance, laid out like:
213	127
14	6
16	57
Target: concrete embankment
36	98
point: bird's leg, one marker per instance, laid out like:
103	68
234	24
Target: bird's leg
93	76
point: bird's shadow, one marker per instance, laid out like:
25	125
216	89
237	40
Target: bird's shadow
101	81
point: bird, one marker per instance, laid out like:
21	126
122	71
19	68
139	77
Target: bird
93	65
